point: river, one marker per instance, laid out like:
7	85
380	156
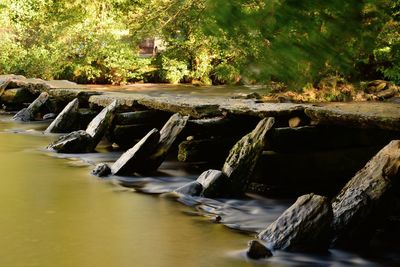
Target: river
54	213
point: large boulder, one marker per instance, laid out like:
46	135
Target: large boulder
304	226
75	142
367	197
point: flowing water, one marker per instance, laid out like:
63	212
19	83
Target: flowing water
54	213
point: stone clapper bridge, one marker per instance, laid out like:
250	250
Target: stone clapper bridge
273	149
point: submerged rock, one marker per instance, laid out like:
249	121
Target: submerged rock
256	250
66	120
306	225
212	182
191	189
28	114
101	170
75	142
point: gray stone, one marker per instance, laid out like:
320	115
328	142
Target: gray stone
242	159
17	97
365	198
133	159
75	142
101	170
98	126
140	117
168	134
66	120
256	250
213	183
306	225
191	189
28	114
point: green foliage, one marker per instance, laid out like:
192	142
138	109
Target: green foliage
172	70
387	51
207	41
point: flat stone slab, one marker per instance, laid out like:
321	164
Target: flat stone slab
379	115
198	107
207	102
375	115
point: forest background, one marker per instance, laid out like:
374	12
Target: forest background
291	42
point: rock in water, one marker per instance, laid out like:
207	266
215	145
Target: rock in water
168	134
66	120
28	114
75	142
134	159
364	199
256	250
213	182
306	225
98	126
191	189
101	170
243	157
86	141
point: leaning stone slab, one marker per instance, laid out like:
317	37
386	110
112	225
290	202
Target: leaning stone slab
66	120
86	141
168	134
365	198
28	114
98	126
75	142
243	157
306	225
133	159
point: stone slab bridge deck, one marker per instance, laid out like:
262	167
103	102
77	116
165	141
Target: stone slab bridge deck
374	115
205	102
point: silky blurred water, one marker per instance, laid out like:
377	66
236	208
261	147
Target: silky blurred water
54	213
